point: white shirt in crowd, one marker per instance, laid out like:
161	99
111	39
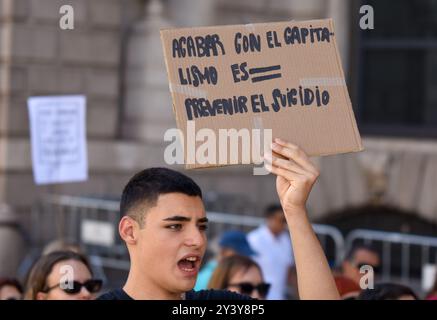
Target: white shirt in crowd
275	257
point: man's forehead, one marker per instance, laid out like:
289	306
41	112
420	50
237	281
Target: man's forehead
180	204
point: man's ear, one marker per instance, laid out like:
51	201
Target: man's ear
128	229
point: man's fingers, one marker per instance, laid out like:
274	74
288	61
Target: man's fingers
285	164
293	152
286	174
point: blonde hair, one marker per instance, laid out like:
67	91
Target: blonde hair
229	267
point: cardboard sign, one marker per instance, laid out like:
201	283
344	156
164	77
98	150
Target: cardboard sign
284	76
57	127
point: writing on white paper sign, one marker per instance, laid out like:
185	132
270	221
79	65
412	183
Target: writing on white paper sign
58	139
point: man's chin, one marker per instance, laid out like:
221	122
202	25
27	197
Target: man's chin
185	285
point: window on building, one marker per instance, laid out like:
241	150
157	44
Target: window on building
396	69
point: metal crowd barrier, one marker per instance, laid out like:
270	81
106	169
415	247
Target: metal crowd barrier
92	223
330	237
403	255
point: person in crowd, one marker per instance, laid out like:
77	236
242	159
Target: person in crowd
54	245
388	291
232	242
274	253
62	275
359	256
164	221
10	289
240	274
347	288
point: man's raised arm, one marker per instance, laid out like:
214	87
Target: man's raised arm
296	176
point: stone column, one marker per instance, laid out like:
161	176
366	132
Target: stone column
148	106
339	11
5	60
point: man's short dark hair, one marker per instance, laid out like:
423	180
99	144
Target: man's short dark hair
362	246
272	209
146	186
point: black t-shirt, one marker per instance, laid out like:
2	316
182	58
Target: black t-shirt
120	294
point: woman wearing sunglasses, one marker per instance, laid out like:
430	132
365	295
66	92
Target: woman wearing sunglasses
239	274
62	275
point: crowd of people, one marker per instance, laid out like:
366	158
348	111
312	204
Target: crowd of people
164	227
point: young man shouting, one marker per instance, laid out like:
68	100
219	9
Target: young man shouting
164	223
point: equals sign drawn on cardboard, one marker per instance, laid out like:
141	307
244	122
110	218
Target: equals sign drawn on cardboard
257	71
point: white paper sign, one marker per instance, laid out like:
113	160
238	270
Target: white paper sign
59	152
97	232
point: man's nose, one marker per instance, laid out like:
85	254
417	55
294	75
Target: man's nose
195	238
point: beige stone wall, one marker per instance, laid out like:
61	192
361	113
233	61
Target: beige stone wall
42	59
46	60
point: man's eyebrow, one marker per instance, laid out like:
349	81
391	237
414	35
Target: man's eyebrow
185	219
177	218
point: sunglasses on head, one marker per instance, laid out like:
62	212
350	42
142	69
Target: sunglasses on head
92	285
247	288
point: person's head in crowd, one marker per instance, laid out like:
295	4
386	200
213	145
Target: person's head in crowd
359	256
239	274
61	245
388	291
230	243
163	225
234	242
275	219
347	288
10	289
62	275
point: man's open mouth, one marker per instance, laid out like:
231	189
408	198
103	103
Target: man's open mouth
189	264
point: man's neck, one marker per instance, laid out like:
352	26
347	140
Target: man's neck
140	288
